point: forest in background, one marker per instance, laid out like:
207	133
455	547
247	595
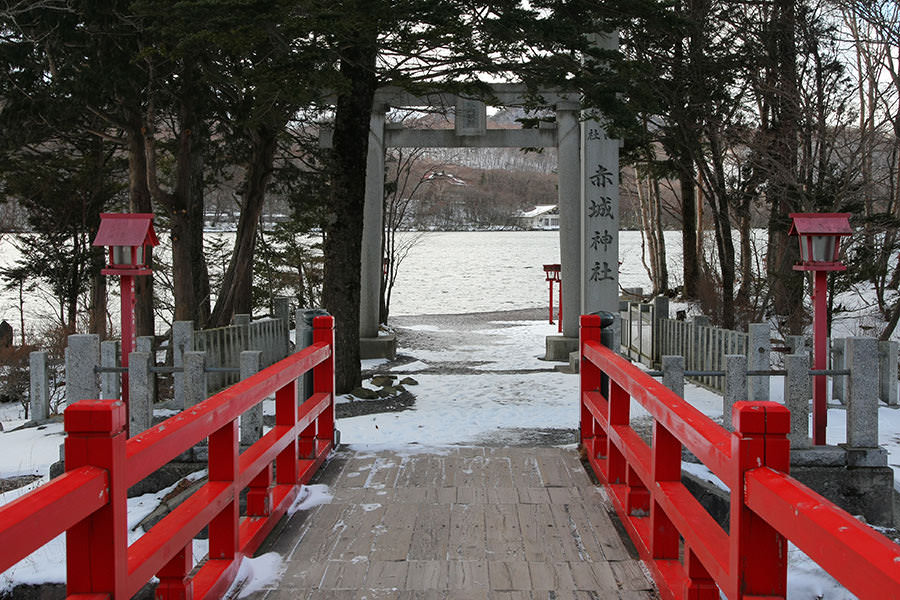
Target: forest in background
732	114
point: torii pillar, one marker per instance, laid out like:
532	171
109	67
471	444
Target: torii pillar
588	222
371	345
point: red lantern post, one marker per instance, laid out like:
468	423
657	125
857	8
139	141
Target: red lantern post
552	275
129	238
820	241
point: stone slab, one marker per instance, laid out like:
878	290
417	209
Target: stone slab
383	346
559	347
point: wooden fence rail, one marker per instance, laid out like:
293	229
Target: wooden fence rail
689	553
89	501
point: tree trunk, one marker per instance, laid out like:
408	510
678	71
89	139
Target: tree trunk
784	194
139	202
663	268
237	284
718	201
97	317
344	226
691	266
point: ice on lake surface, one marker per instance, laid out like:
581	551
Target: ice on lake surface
444	273
462	272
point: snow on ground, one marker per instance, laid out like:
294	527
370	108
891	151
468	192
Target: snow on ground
467	408
497	385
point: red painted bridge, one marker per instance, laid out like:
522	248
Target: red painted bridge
469	523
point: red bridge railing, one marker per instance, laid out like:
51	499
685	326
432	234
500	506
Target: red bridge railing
89	502
690	555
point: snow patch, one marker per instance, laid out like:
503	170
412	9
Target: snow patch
255	574
309	497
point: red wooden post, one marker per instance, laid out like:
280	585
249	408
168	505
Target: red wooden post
820	341
758	557
637	502
665	466
323	376
97	547
174	583
590	331
619	414
550	281
286	465
223	466
259	494
126	308
559	312
698	583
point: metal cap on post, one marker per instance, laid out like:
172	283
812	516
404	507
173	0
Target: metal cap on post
607	338
303	339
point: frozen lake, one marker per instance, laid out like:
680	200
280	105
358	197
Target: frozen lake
461	272
444	273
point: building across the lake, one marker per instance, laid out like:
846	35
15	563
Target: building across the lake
545	216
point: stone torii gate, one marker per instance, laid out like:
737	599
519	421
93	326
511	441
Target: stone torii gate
588	171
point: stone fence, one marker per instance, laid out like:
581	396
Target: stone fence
648	334
853	471
203	362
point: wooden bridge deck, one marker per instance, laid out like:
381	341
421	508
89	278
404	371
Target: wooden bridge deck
468	524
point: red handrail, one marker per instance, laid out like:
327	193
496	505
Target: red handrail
89	500
768	507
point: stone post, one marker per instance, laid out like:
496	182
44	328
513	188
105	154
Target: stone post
110	387
140	392
861	355
759	350
144	343
797	394
371	267
695	354
252	420
797	344
82	356
569	190
39	390
735	386
182	341
195	390
660	312
673	374
242	322
600	209
282	310
838	382
887	369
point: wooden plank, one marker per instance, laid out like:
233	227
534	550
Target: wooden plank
467	538
525	471
503	533
630	576
345	575
394	539
553	471
509	575
357	531
502	495
471	495
551	576
427	575
386	575
468	575
498	472
431	535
